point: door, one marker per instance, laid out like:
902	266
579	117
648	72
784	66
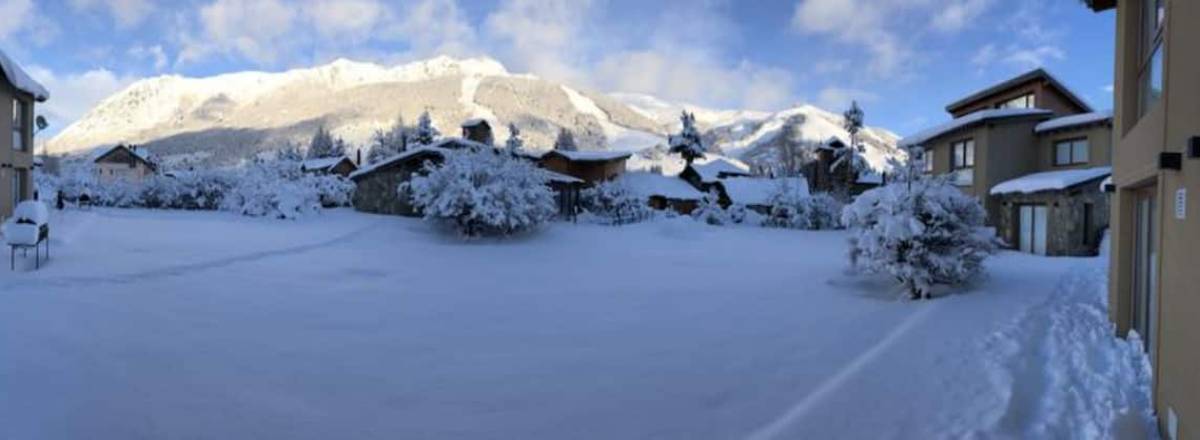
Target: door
1145	270
1033	229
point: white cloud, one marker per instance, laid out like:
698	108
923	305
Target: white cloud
349	19
73	95
435	27
833	98
155	53
694	77
955	15
127	13
855	22
18	14
258	30
1108	88
1034	57
541	35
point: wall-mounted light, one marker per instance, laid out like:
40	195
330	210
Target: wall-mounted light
1194	147
1170	161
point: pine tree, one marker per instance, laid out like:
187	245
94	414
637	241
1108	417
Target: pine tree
425	133
850	160
688	143
921	230
565	141
321	145
385	144
514	144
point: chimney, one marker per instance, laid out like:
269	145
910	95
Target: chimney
358	160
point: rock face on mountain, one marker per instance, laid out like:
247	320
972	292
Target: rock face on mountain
224	119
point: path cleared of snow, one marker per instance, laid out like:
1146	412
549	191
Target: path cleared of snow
345	325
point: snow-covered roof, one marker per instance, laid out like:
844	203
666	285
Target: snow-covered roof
135	151
590	156
473	122
834	142
1002	86
435	148
324	163
758	191
1106	183
647	184
712	169
968	120
21	80
1074	121
1050	180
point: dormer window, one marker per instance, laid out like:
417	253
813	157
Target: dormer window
1023	101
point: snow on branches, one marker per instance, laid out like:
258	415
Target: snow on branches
922	231
615	203
792	209
483	192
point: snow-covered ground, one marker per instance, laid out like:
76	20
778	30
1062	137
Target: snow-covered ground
346	325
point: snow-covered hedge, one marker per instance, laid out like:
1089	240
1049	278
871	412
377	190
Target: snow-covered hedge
710	212
922	232
614	203
484	192
270	188
795	210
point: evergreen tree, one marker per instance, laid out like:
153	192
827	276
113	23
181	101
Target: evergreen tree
851	160
688	142
385	144
321	145
565	141
514	144
425	133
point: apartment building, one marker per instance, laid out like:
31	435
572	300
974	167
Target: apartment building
18	93
1154	287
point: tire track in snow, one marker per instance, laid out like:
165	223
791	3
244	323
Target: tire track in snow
800	409
182	269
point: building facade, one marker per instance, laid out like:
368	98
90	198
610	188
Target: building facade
1034	155
129	164
1154	287
18	94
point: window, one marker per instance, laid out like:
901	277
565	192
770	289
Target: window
1150	74
1071	152
18	125
1023	101
964	154
927	160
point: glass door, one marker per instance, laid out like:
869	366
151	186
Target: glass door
1033	229
1145	271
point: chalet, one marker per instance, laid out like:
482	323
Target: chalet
590	166
664	192
377	185
478	130
704	174
339	166
1155	189
1034	154
130	164
18	93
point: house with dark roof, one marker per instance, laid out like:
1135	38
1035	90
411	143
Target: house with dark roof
377	185
18	93
590	166
124	163
339	166
1021	147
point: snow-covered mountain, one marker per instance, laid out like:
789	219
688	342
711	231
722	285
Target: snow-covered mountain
226	118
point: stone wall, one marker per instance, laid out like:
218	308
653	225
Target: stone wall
1066	234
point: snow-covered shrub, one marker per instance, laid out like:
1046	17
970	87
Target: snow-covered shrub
483	192
794	210
332	190
614	203
922	231
273	189
710	211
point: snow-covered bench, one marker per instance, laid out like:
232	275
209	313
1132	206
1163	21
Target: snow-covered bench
29	227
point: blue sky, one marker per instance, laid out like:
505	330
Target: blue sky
902	59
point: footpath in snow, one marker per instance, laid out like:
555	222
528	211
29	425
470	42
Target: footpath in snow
345	325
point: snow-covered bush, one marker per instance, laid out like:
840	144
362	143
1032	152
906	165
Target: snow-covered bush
275	189
795	210
483	192
332	190
614	203
922	231
709	211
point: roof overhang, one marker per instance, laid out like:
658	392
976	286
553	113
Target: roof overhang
1033	75
1101	5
